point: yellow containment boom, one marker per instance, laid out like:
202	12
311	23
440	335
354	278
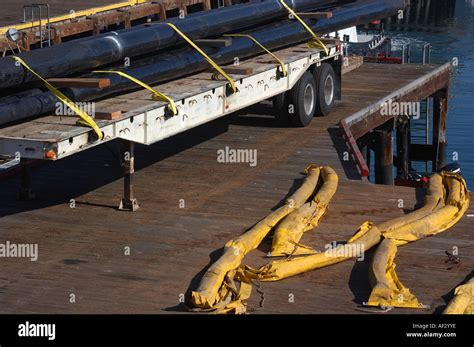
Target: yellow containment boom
463	301
367	236
432	201
454	202
446	201
217	281
387	290
289	232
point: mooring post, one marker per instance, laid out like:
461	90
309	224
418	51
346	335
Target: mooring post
128	203
440	110
26	192
383	157
403	147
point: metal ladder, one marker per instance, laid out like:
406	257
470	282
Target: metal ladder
44	35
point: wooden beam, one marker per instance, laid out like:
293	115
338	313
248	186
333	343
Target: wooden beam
440	110
108	115
352	63
354	149
206	5
403	148
238	70
235	70
330	41
367	119
144	11
383	157
214	42
100	83
315	15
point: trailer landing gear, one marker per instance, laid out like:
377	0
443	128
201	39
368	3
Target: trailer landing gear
128	203
25	193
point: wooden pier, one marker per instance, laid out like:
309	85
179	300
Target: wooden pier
422	15
191	205
68	21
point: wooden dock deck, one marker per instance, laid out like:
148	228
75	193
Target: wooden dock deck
53	22
81	250
12	11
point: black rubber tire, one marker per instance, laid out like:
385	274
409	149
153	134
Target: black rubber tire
301	116
321	74
280	109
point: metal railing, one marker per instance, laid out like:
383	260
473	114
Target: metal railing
44	37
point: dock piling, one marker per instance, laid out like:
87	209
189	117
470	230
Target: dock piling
403	148
383	156
440	110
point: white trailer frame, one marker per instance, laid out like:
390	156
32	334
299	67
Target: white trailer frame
199	99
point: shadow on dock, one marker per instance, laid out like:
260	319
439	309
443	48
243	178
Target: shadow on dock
58	182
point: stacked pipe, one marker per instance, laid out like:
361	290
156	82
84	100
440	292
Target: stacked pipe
92	52
166	66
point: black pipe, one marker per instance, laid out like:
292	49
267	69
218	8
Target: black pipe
186	61
89	53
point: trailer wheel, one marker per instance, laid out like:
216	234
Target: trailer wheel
326	82
280	109
303	97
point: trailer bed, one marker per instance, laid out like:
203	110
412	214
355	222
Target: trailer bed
199	99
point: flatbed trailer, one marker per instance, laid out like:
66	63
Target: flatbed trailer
198	98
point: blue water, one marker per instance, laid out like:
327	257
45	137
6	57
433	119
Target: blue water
451	37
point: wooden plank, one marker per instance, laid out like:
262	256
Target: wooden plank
351	63
354	148
238	70
137	12
426	85
108	115
100	83
315	15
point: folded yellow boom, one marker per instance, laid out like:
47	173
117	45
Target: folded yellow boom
227	284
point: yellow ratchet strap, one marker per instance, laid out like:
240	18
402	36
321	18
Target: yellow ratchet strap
209	60
282	64
317	42
85	119
157	96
